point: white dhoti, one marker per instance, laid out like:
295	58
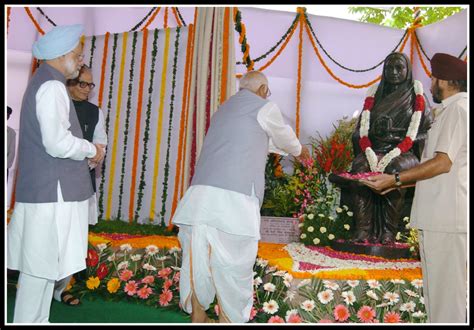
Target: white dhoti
221	264
47	242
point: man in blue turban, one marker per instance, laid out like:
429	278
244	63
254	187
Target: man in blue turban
47	235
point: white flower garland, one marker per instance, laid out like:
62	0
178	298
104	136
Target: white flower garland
379	166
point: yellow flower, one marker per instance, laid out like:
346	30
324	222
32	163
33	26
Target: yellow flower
113	285
93	283
70	284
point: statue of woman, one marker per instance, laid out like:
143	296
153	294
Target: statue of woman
387	125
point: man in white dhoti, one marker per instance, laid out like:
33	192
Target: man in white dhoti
219	216
47	236
439	210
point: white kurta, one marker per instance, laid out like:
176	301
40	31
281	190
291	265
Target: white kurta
219	233
49	240
100	136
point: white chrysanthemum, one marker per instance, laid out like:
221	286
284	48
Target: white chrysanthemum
126	247
290	295
347	227
122	265
331	218
101	246
406	219
349	297
270	307
310	229
345	207
331	237
417	283
310	216
111	258
257	281
303	236
316	241
304	283
422	300
262	262
411	293
151	250
308	305
300	225
174	250
280	273
349	213
321	215
418	314
136	257
319	200
325	296
392	297
373	284
270	287
408	307
323	230
407	226
288	277
338	209
149	267
372	295
397	281
290	313
330	285
353	284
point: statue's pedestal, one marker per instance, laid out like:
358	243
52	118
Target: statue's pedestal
391	251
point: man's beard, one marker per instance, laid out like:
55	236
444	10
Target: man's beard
72	67
436	93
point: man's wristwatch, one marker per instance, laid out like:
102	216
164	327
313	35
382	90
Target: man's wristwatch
398	183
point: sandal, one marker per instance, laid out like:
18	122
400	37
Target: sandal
68	299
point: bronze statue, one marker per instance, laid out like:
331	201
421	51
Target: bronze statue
377	217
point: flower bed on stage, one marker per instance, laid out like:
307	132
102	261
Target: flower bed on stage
293	283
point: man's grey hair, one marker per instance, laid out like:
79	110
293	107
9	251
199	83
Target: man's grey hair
252	81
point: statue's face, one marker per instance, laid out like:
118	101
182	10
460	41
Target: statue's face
395	70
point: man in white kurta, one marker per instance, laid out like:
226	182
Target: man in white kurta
439	210
47	235
219	216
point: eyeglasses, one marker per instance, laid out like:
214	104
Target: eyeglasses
84	84
269	92
80	57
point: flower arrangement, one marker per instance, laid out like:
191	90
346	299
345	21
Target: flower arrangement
151	277
353	301
410	236
325	221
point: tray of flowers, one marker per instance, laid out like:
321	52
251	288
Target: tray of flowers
350	179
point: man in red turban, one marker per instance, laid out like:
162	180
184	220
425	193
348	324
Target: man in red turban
439	210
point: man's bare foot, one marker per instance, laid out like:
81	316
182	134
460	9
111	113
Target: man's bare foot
198	315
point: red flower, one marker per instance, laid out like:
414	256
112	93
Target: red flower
364	143
92	258
369	103
102	271
419	103
405	145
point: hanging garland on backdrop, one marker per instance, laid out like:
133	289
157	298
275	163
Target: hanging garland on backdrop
35	23
176	16
142	20
301	11
92	50
127	123
152	18
45	16
180	17
9	11
164	195
245	47
107	120
146	134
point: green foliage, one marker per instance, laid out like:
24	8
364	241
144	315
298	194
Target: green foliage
402	17
124	227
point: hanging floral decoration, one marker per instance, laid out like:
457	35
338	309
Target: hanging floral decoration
405	145
93	39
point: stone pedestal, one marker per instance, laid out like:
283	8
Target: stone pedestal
279	230
392	251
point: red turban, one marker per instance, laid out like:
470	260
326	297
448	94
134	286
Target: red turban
447	67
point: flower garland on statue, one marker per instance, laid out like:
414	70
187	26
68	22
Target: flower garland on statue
405	145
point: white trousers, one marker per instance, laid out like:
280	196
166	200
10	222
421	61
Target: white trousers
444	267
215	262
34	296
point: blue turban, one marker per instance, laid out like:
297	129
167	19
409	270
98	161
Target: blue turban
59	41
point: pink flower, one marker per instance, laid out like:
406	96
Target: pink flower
165	272
276	319
125	275
167	284
253	313
341	313
325	321
131	288
294	318
366	314
176	277
144	292
391	317
165	297
148	279
216	309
